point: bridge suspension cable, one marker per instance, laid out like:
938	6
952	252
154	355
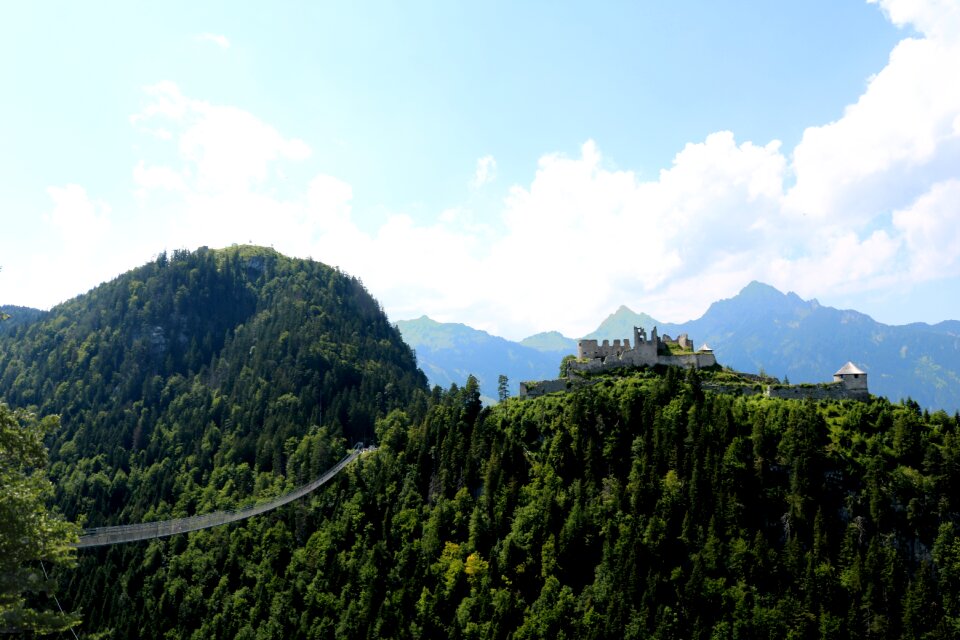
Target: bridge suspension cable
100	536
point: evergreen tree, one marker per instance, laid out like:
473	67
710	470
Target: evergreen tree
503	388
33	537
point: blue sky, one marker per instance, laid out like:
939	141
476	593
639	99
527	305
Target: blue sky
515	166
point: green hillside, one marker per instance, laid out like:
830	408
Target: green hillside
14	316
180	374
641	506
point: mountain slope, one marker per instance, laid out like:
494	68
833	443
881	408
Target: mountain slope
643	506
205	361
640	507
200	382
449	352
18	316
762	328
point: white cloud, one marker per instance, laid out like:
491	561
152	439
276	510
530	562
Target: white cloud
330	198
485	173
76	217
154	177
865	203
931	229
935	18
225	148
219	40
581	238
165	100
903	128
81	248
578	240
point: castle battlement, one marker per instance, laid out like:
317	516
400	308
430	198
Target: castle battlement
595	356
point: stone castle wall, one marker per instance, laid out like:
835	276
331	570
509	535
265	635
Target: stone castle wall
689	360
828	391
645	358
593	356
824	391
543	387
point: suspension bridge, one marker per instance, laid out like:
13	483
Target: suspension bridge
101	536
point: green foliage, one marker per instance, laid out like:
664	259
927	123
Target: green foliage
201	381
30	533
643	506
675	349
639	507
503	387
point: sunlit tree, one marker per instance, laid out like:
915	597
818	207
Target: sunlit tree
33	539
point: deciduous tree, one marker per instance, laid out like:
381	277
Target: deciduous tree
32	536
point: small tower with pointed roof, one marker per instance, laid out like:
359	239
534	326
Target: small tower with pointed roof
853	379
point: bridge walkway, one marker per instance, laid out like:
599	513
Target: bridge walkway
100	536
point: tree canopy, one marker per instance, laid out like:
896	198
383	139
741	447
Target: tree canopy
30	532
645	505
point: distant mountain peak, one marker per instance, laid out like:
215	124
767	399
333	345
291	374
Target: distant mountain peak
757	288
761	291
423	320
620	324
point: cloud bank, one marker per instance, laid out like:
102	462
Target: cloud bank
869	201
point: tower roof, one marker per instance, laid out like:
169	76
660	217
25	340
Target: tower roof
849	369
705	347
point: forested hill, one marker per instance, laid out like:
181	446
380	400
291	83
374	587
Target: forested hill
642	506
179	375
639	507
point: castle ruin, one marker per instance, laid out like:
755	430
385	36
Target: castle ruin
593	356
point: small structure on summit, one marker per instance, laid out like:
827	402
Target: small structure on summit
594	356
853	379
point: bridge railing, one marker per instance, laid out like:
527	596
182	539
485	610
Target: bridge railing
99	536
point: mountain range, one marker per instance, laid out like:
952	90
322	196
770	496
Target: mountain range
759	330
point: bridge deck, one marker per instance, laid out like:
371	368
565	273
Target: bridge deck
99	536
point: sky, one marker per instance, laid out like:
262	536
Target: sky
517	167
